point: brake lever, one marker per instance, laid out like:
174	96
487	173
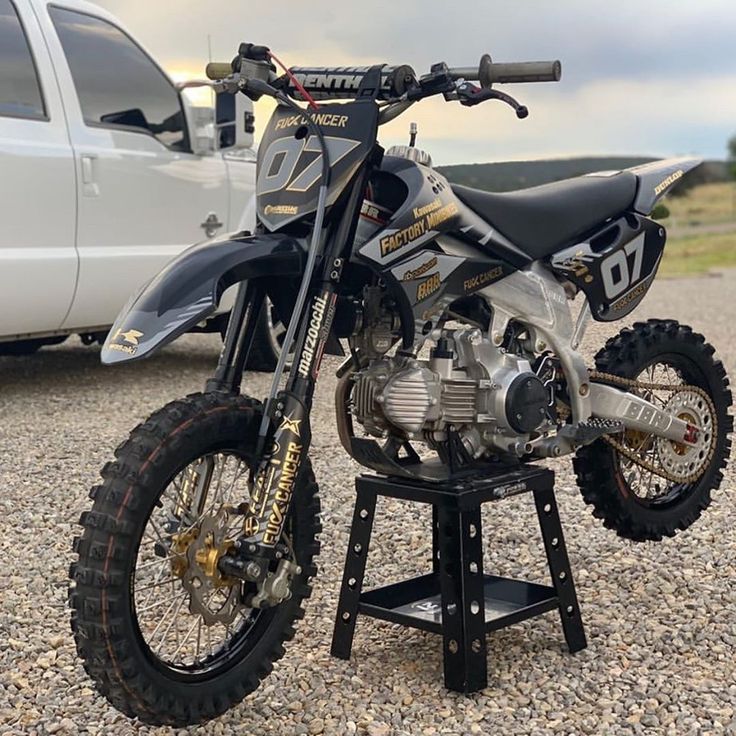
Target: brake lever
471	95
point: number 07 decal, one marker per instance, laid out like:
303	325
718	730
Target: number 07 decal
615	272
290	163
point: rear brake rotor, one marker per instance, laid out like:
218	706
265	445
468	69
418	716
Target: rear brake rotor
681	459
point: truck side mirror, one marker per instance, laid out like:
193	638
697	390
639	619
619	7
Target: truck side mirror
235	121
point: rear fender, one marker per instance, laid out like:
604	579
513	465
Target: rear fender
657	178
189	289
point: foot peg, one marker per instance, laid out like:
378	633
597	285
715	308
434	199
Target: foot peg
591	429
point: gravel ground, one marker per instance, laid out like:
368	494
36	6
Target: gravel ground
660	618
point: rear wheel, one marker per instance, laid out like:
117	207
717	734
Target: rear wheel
632	488
166	638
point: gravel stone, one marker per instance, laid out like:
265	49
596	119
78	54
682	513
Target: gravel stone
659	617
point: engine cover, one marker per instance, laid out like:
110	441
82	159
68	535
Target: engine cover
526	403
491	398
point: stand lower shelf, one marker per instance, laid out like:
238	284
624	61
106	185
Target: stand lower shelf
418	602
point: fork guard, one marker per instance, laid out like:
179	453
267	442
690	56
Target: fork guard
188	290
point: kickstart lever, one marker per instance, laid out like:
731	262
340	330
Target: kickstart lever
471	95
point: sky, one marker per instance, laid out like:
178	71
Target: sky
654	78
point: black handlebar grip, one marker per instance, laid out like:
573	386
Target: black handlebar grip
523	71
515	72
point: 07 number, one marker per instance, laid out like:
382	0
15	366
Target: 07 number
615	272
295	165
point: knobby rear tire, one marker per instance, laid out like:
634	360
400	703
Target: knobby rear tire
103	618
597	467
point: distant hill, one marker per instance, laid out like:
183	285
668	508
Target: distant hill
504	177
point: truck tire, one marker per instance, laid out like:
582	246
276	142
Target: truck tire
270	333
28	347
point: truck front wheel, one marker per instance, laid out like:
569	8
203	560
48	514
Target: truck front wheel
269	338
28	347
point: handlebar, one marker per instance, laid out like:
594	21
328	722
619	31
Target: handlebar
397	83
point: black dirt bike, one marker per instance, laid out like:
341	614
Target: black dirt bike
456	304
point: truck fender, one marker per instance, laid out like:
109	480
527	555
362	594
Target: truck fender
188	290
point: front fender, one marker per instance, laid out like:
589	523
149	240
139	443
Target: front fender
189	288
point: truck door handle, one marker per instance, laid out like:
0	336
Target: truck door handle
211	225
90	187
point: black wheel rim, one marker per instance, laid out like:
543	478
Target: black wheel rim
689	373
240	638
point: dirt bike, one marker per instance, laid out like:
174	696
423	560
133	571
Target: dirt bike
199	548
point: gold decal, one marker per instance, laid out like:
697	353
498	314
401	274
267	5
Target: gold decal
415	273
669	181
289	470
475	282
432	215
131	336
292	425
324	120
281	209
428	287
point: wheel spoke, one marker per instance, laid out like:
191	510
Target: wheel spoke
165	603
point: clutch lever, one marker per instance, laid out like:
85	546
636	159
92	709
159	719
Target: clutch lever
470	95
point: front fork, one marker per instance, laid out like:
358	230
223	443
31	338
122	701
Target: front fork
291	434
286	434
288	440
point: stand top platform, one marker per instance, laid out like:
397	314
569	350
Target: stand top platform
461	491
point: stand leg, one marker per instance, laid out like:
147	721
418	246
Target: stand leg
352	581
435	541
559	567
463	602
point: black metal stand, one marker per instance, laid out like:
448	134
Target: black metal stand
456	599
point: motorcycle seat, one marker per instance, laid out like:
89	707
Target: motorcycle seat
543	219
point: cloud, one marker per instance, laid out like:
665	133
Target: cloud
637	78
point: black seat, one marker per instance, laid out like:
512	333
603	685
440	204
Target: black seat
543	219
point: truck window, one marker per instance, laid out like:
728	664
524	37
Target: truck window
117	83
20	91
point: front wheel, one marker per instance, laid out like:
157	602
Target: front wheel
647	487
164	636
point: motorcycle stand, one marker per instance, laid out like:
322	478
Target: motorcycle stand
456	599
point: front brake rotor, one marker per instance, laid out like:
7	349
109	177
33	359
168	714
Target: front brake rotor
213	597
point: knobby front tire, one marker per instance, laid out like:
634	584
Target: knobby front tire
104	618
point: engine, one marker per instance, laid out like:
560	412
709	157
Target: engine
491	398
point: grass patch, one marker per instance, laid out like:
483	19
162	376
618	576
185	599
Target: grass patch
708	203
699	254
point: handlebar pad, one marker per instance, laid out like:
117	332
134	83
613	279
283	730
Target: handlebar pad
216	70
344	82
524	71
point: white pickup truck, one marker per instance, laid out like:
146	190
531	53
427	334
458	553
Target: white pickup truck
107	170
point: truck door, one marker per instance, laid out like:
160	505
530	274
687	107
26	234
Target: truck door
143	196
38	199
